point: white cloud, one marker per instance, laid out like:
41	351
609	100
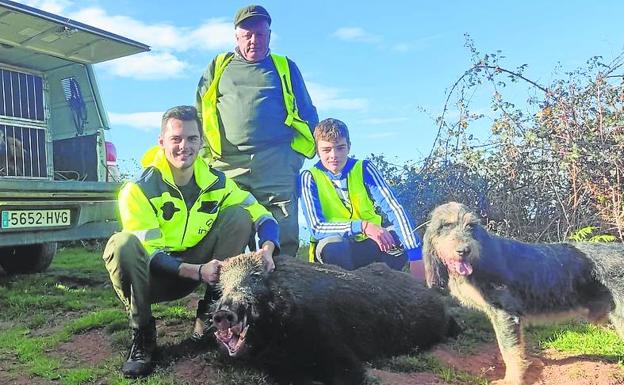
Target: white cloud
330	98
143	121
53	6
214	34
157	35
147	66
356	34
166	41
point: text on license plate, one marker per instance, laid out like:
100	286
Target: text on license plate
12	219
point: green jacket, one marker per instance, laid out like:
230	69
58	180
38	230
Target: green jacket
276	70
153	209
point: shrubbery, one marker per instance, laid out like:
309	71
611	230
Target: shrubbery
543	162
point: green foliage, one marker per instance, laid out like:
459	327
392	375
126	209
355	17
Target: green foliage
586	234
173	312
536	167
80	376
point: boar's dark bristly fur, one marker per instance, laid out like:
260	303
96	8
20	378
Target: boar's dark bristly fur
311	322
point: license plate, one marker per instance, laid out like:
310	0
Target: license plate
14	219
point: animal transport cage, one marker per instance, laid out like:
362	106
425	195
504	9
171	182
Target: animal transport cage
23	150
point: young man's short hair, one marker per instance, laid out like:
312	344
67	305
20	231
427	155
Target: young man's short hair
331	130
183	113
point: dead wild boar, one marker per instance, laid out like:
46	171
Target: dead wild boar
304	323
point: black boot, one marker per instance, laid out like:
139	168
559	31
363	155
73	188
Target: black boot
203	317
203	321
139	362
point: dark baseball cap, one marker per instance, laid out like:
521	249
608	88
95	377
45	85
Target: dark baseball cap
251	11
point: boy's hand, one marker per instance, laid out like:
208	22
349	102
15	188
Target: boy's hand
381	236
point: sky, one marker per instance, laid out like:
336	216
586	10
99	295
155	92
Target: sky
382	67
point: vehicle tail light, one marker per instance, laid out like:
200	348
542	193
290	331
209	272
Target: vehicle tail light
113	174
111	152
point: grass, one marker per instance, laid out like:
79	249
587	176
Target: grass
40	312
580	339
426	362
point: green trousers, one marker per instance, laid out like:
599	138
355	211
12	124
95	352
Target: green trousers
138	288
271	175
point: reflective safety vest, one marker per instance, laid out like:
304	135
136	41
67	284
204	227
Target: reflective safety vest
332	207
302	141
153	208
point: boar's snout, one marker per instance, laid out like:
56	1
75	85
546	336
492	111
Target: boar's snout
224	319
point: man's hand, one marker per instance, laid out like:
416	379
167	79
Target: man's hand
209	272
266	252
381	236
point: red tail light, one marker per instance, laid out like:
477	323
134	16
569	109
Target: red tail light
111	152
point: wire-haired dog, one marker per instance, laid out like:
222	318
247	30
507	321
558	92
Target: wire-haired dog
516	283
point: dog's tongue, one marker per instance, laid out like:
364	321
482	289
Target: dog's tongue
462	268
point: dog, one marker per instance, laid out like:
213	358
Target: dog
516	283
12	154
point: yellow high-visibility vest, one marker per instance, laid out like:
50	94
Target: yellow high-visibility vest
332	207
153	208
302	141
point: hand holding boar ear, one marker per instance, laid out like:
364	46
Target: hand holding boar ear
209	272
266	252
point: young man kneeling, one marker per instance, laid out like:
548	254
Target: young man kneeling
341	199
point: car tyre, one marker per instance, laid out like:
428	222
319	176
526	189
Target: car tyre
27	259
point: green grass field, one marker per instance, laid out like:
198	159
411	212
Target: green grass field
65	326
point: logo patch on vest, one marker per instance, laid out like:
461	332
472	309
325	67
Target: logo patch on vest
209	207
168	209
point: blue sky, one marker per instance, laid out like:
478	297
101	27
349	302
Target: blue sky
383	68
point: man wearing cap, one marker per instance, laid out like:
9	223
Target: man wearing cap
258	120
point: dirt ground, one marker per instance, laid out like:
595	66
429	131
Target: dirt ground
93	348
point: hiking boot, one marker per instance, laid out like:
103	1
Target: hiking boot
203	322
139	362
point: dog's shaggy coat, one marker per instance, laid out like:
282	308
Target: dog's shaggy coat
516	283
308	322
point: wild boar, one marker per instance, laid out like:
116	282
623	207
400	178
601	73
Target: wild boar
305	323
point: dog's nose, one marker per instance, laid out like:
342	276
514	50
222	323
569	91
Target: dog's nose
462	251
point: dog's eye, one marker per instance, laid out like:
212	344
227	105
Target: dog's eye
447	226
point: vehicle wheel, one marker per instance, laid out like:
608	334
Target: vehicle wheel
27	259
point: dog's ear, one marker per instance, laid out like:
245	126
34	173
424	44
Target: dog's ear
435	271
